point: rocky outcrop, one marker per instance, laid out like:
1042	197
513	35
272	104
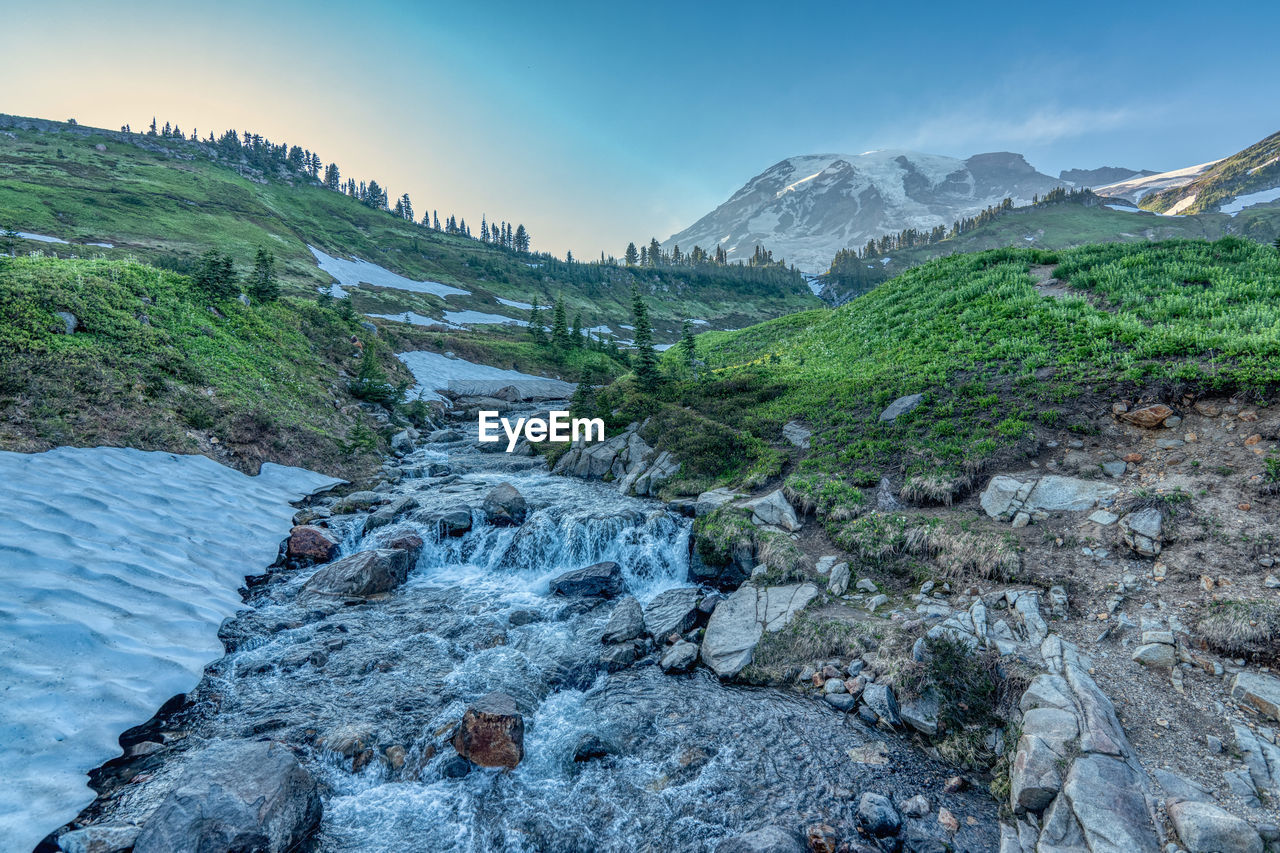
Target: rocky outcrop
1005	496
236	796
1074	767
773	510
504	506
602	580
491	733
1143	531
1205	828
625	459
738	623
1258	691
358	577
709	502
797	434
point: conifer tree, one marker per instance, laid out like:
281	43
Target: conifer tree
215	275
575	339
263	286
559	327
644	362
631	256
687	343
536	329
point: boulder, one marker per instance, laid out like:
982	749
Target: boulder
709	502
1258	691
385	515
877	814
680	657
1205	828
69	322
236	796
774	510
445	436
738	623
359	502
797	434
505	507
402	442
620	655
1005	496
1148	417
921	713
901	406
1143	531
672	612
358	577
626	622
449	522
410	543
644	481
491	733
770	839
602	580
839	581
1156	655
309	545
591	747
880	698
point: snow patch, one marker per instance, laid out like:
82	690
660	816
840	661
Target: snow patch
118	565
353	273
435	372
1240	202
42	238
514	304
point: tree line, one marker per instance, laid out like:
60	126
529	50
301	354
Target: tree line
257	151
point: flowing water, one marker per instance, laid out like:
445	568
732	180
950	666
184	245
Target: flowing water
696	761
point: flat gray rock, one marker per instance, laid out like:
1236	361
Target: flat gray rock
672	612
738	623
901	406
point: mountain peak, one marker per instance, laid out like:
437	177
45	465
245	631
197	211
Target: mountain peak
807	207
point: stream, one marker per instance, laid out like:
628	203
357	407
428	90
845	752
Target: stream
693	761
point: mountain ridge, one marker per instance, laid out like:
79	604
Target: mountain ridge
807	207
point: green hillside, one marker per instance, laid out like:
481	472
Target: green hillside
998	362
1254	169
165	201
1056	226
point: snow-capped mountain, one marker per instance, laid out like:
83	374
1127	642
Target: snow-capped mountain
1133	189
804	209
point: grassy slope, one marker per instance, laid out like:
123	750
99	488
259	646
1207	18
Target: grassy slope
165	202
154	367
1251	170
995	360
1064	226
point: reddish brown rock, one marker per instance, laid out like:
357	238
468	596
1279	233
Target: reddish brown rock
1252	440
1248	416
309	545
1148	417
822	838
1132	457
948	820
491	733
410	543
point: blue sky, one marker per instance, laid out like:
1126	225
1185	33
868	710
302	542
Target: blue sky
596	123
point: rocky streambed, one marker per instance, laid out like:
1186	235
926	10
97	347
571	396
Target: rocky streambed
427	669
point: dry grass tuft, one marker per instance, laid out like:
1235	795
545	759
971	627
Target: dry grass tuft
1242	628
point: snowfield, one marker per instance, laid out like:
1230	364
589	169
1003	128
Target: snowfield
353	273
435	372
1240	202
118	565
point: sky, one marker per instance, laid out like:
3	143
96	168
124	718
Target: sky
599	123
